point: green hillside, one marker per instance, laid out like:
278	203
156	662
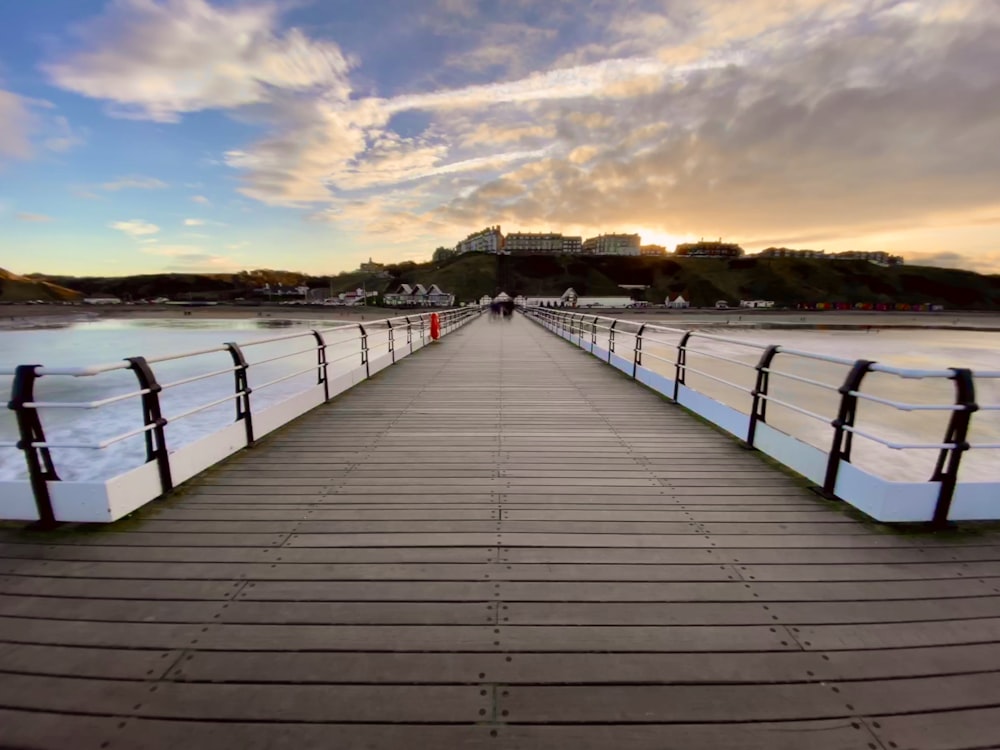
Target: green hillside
14	288
787	281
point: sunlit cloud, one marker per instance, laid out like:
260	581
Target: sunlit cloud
201	200
33	218
193	222
133	182
160	60
16	118
135	227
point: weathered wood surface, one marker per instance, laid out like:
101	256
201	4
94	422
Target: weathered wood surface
498	543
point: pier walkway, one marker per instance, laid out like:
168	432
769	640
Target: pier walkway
499	542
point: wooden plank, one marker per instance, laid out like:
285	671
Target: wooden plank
113	664
228	702
119	589
895	635
838	734
739	613
657	704
940	730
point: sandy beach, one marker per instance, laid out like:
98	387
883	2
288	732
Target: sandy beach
19	317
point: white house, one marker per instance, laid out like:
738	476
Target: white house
678	302
419	296
756	303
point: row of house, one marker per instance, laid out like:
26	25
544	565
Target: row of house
878	257
417	295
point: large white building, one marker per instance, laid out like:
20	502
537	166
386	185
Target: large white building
541	242
613	244
489	240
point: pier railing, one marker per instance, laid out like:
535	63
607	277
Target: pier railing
661	358
338	356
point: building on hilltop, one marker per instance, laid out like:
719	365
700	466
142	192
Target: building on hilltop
371	267
612	244
709	249
878	257
787	252
489	240
517	243
546	243
572	245
655	250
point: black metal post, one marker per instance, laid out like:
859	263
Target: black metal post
611	339
637	352
680	368
593	333
844	439
242	391
321	365
392	342
758	411
152	417
41	470
950	459
364	350
409	333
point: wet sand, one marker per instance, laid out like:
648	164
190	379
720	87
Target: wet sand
34	316
19	317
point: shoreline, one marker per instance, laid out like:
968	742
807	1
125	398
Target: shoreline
20	317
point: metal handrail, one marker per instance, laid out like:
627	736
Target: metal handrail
850	392
374	336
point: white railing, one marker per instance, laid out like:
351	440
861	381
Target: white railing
660	357
340	356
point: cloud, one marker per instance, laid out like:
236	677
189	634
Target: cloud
201	200
16	118
135	227
61	136
193	222
157	60
134	182
33	218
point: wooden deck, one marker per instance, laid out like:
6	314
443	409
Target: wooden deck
498	543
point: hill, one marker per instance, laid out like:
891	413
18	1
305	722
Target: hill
703	281
14	288
787	281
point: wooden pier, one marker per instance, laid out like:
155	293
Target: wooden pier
498	543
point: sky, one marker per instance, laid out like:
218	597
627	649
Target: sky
141	136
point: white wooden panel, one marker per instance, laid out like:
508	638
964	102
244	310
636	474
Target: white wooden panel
131	490
194	458
656	381
975	501
85	501
717	413
807	460
284	412
884	500
17	503
379	363
620	363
